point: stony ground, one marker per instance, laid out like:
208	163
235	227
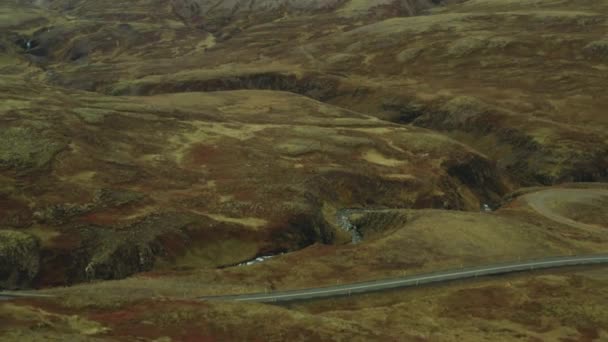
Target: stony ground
165	141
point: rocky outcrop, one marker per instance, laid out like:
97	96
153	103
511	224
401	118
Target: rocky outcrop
480	175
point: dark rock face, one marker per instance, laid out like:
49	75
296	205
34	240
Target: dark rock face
481	176
317	87
303	230
19	259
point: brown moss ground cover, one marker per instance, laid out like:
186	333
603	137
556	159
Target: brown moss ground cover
526	78
204	180
395	243
135	137
590	213
558	305
190	180
552	305
536	143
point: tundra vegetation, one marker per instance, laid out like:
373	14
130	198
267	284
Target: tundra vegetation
148	147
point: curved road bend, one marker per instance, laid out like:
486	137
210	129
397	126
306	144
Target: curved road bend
537	200
415	280
540	202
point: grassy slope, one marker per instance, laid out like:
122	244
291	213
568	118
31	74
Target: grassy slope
528	80
201	180
525	78
395	243
529	84
545	306
507	308
542	307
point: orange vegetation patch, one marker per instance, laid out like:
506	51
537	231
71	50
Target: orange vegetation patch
163	274
173	244
203	154
479	302
9	204
588	334
179	320
318	250
66	242
100	218
244	195
13	212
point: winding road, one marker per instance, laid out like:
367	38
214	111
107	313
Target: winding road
537	201
540	202
415	280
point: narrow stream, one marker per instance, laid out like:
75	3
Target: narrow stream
343	220
258	259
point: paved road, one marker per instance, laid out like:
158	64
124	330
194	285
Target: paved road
415	280
540	201
8	295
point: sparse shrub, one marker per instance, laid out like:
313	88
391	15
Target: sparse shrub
598	48
61	213
465	46
23	148
19	259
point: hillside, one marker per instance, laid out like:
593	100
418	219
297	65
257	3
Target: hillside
148	148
